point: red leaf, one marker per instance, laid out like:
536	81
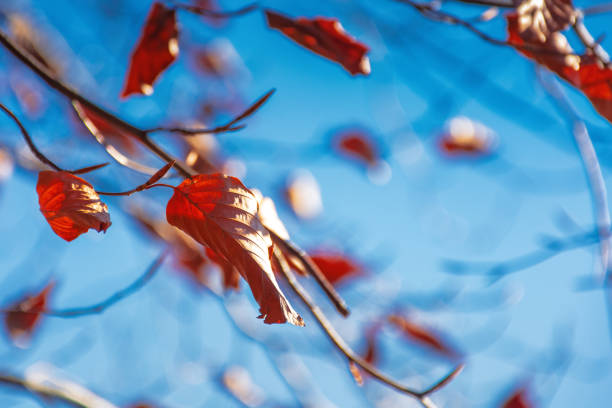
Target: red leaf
422	335
551	53
219	212
595	82
155	51
358	145
518	399
465	137
538	19
326	37
20	324
231	277
336	267
70	204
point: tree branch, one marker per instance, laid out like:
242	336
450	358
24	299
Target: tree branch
344	348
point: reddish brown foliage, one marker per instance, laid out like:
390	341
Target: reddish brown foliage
326	37
157	48
23	319
70	204
422	335
231	277
539	19
219	212
336	267
357	145
595	82
518	399
554	52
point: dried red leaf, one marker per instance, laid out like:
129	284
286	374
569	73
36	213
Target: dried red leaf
518	399
465	137
23	319
70	204
554	52
422	335
157	48
231	277
538	19
357	145
336	267
219	212
595	82
326	37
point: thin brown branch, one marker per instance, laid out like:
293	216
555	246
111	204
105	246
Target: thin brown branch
100	307
344	348
217	14
148	184
89	169
228	127
68	392
587	40
72	94
313	270
28	139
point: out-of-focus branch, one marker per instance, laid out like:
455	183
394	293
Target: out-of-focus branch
68	392
489	3
100	307
343	347
217	14
587	39
29	141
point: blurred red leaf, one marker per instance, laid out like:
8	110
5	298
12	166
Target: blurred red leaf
595	82
465	137
20	324
336	267
538	19
70	204
518	399
422	335
326	37
219	212
358	145
157	48
554	52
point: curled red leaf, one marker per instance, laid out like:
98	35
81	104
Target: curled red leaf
231	277
23	318
326	37
70	204
219	212
157	48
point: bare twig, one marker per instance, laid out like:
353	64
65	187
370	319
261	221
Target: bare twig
587	40
100	307
489	3
228	127
72	94
597	9
29	141
217	14
313	270
344	348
